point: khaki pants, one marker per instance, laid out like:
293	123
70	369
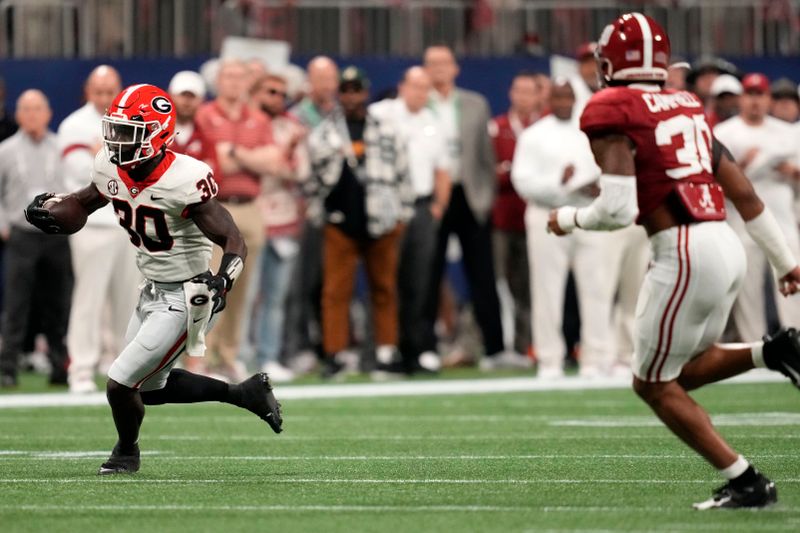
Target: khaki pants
224	340
340	262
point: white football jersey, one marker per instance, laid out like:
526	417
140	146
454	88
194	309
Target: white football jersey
170	246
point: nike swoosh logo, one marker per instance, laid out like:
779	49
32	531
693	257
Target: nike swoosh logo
197	320
155	198
170	308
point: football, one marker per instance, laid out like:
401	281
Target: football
69	214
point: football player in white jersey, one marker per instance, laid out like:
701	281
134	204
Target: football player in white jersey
165	202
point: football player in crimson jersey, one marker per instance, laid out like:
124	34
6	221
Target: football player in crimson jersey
662	167
165	202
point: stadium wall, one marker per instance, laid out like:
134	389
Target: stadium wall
61	80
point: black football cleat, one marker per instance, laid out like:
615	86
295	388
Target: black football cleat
782	353
257	397
332	369
119	463
761	493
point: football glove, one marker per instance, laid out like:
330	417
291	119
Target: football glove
39	216
218	285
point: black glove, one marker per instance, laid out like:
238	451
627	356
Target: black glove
37	215
216	283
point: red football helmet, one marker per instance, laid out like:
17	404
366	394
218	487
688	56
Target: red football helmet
633	48
138	124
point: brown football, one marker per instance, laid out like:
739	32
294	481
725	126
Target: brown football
70	215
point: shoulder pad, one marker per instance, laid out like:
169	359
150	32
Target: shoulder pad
606	112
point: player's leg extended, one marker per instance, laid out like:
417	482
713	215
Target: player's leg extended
684	417
683	302
163	384
780	352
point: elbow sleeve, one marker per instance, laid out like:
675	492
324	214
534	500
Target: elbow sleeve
615	208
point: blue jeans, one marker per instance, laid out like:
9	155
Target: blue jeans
276	271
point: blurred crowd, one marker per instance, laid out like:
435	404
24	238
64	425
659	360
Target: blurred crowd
391	230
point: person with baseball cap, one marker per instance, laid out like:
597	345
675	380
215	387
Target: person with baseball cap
758	142
725	93
188	90
785	100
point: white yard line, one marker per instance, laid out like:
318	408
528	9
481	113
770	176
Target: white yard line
289	481
8	455
45	508
371	390
388	438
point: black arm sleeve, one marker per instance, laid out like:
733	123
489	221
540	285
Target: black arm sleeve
718	151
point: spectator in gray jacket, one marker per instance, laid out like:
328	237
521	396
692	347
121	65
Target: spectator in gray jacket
464	116
30	163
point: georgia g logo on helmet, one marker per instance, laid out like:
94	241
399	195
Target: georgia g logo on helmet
139	125
161	104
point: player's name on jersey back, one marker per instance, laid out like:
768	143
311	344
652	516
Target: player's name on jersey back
657	102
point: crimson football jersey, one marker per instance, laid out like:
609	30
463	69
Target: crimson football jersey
672	139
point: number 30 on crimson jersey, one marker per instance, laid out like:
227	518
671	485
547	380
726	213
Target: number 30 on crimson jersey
672	141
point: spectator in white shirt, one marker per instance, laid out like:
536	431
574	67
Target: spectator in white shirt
103	261
430	180
758	143
554	166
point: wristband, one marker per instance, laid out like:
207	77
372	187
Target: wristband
230	267
567	218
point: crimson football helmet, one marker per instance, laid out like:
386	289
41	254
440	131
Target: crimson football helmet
633	48
139	123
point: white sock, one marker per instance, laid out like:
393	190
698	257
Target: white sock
757	353
736	469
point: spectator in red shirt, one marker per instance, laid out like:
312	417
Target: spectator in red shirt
508	213
188	90
239	148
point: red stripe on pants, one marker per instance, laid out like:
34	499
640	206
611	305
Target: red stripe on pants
680	301
664	317
163	361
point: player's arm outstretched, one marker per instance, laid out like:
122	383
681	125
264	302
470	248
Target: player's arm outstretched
759	221
83	203
616	207
217	224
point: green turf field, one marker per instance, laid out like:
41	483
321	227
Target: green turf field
540	461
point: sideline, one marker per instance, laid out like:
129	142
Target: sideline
403	388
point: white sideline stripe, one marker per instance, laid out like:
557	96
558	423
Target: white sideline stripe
765	419
100	479
412	388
